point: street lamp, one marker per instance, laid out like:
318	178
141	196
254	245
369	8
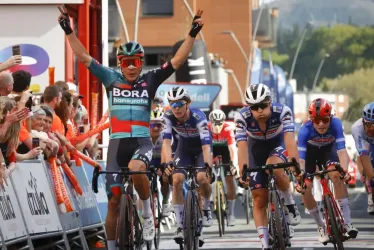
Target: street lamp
306	28
232	34
319	70
231	72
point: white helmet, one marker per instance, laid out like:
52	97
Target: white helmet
257	93
217	115
177	94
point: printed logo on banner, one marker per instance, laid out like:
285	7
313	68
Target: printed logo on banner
6	207
35	198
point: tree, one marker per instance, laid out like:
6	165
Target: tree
278	59
358	86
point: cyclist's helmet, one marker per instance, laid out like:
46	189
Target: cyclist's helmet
178	94
368	112
217	115
156	116
130	49
257	93
319	107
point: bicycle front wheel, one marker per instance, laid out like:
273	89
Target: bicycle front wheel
335	233
158	217
219	211
190	220
125	236
275	221
247	207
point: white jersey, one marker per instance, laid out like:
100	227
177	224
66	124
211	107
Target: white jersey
362	140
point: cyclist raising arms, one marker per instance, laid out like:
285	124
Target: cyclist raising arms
363	134
321	139
270	127
194	140
130	95
224	145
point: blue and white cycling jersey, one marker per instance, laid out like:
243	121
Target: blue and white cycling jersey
364	143
194	131
309	137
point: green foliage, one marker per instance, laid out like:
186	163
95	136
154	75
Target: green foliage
358	86
278	59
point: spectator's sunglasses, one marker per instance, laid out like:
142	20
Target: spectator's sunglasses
155	125
319	119
258	106
177	104
134	61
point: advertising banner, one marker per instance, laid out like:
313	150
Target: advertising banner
202	95
41	39
32	187
281	84
256	67
11	222
269	79
289	97
197	67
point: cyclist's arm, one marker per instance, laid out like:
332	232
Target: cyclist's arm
79	50
182	53
207	154
289	133
206	140
362	147
167	137
337	129
166	151
241	138
302	143
231	142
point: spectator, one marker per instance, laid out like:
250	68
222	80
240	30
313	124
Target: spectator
157	104
64	110
12	61
6	83
52	97
62	85
47	128
22	81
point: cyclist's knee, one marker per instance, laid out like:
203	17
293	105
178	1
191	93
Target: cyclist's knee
178	180
202	178
114	201
260	199
309	185
137	165
335	177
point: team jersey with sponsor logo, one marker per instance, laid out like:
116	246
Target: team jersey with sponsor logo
279	122
309	137
194	131
364	143
130	103
224	138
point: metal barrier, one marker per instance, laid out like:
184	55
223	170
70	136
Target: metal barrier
29	210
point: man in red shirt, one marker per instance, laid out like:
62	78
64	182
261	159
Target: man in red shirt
224	145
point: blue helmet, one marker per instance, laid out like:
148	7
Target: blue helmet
368	112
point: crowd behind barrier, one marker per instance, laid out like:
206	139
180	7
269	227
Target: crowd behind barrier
29	210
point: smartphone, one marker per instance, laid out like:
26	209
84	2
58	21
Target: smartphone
85	121
35	142
16	50
81	129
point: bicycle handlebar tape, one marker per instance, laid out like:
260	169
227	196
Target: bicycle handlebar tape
94	180
65	24
195	27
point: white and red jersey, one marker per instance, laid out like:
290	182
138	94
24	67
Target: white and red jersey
225	137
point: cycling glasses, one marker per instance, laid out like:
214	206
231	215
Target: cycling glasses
126	62
177	104
368	125
319	119
155	125
256	107
217	123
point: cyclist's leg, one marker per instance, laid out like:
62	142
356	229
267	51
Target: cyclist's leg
205	189
278	155
140	160
113	186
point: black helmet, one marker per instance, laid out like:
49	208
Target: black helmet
130	49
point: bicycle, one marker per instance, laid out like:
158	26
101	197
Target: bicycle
247	205
278	226
333	217
220	201
129	231
192	212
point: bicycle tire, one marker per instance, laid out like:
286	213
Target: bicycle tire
190	223
219	209
138	229
247	209
223	208
158	218
124	232
334	230
276	220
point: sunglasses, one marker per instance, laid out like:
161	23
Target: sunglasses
131	61
218	123
155	125
319	119
256	107
368	125
177	104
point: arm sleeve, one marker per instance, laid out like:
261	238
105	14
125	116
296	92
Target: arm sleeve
158	76
240	127
362	146
102	73
337	129
167	128
205	136
286	118
302	141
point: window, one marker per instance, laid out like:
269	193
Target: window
157	7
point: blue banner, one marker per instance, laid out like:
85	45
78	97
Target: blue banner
289	97
256	67
281	84
202	95
269	79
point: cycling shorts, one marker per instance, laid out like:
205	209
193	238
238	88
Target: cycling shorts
120	153
185	155
326	155
260	179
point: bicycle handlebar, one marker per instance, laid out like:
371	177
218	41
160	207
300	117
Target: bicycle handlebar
323	172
